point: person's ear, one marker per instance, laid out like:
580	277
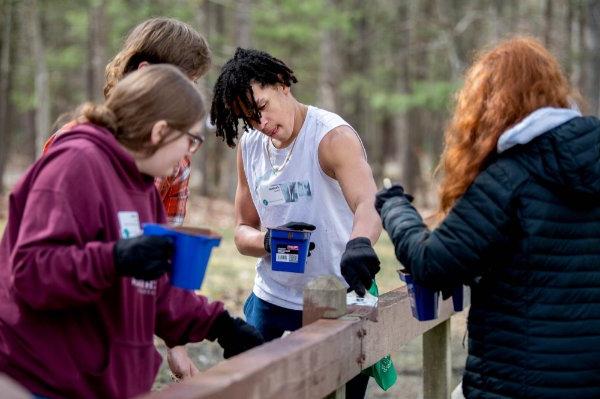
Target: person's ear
159	131
143	64
285	89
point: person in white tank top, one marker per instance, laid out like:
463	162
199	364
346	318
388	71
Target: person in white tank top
298	166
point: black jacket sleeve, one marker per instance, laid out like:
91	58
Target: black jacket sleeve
460	249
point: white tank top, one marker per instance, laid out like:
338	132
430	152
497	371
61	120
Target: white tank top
299	192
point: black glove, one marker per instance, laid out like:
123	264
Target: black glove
395	191
447	293
234	335
298	226
359	265
292	226
143	257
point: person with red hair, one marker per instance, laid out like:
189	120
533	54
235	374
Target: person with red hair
520	203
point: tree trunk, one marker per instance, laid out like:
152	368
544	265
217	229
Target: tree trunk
495	11
6	76
568	45
548	26
199	164
387	138
514	7
225	161
329	71
402	125
218	158
96	59
414	69
579	73
42	96
358	59
243	26
592	69
212	157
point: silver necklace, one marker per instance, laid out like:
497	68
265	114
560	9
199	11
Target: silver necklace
278	169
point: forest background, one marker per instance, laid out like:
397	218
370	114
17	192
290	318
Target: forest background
389	67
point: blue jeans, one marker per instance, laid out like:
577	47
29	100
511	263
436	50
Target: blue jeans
272	321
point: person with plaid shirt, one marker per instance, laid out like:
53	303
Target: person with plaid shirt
161	41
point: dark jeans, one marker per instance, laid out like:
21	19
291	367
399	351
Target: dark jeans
272	321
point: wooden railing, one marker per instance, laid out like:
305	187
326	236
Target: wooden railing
333	346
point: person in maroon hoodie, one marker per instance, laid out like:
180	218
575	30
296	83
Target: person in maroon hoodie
82	292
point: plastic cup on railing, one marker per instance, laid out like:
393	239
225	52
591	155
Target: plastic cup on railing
289	249
458	298
193	247
423	301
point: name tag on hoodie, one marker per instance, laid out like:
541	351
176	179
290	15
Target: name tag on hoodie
129	224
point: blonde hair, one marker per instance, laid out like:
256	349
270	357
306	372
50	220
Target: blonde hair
142	98
160	41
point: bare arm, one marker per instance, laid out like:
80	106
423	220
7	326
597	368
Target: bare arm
342	157
180	363
249	240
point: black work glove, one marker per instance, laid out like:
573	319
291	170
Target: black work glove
395	191
143	257
359	265
447	293
234	335
292	226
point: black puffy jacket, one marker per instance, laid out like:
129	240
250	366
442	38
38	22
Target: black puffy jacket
527	231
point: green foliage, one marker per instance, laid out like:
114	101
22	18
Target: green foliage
293	30
434	96
382	47
68	58
288	22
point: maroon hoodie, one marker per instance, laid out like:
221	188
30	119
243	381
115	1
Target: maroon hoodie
69	326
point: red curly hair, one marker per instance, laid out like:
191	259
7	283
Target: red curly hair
503	86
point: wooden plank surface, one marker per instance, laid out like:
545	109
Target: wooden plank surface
308	363
313	361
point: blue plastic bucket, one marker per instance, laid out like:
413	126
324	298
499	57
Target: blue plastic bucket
193	247
289	250
458	298
423	301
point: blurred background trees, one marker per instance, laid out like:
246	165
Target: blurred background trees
389	67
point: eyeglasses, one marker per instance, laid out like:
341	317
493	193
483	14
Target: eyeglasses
196	141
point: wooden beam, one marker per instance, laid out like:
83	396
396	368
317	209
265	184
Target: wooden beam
437	362
308	363
313	361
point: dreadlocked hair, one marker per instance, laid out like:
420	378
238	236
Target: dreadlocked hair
233	95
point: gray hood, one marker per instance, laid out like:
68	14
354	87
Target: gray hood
535	124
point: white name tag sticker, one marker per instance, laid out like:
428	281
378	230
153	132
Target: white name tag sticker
271	194
129	224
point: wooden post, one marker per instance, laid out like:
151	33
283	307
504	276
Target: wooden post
437	362
325	298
